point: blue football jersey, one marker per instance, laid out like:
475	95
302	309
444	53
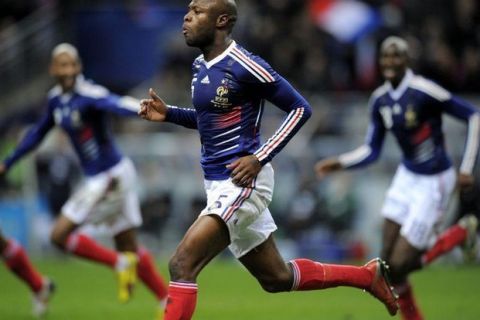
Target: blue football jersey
228	95
82	114
413	113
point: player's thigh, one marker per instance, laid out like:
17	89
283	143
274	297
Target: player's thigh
126	240
404	257
390	234
266	264
62	228
205	239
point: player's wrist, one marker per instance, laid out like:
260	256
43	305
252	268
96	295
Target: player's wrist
260	162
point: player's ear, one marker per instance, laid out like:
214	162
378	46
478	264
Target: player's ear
223	20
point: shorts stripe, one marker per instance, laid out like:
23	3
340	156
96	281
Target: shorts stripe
244	195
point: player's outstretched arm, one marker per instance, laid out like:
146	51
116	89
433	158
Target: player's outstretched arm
153	109
3	169
327	166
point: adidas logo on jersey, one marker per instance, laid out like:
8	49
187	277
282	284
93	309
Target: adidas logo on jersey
205	80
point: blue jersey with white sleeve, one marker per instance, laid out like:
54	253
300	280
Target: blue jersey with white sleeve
413	113
82	114
228	96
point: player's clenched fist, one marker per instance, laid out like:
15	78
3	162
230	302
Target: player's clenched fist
153	109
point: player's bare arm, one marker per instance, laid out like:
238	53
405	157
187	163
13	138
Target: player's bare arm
154	109
245	170
327	166
3	169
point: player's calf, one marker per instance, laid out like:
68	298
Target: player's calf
276	282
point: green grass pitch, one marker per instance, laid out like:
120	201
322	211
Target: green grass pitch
228	292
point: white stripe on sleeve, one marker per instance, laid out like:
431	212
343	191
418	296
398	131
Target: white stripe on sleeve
471	146
129	103
353	157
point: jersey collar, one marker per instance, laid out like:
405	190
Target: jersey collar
66	96
220	57
402	87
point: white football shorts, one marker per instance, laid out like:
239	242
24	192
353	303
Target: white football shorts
244	210
108	199
418	202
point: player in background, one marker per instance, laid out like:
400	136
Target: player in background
229	87
17	261
411	107
108	194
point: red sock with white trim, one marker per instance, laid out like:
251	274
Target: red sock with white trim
311	275
449	239
85	247
406	301
148	274
182	299
17	261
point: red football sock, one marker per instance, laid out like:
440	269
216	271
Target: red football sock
406	301
311	275
182	299
17	260
448	240
85	247
148	274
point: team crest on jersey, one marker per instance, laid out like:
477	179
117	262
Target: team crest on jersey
410	117
221	98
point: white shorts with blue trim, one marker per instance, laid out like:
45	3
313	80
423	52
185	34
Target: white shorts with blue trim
108	199
418	203
244	210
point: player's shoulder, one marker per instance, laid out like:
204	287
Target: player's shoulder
54	92
90	89
198	60
249	65
378	93
430	88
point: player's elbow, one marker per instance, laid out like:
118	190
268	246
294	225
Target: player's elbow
373	156
307	111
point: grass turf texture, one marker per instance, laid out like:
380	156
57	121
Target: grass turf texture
227	291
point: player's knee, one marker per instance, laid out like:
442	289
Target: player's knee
180	268
399	268
277	283
58	239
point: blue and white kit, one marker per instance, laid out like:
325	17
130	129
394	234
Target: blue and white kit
83	116
425	179
228	95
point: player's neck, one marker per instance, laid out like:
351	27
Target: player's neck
217	48
396	82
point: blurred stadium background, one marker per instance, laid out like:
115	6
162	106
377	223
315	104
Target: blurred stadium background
327	48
